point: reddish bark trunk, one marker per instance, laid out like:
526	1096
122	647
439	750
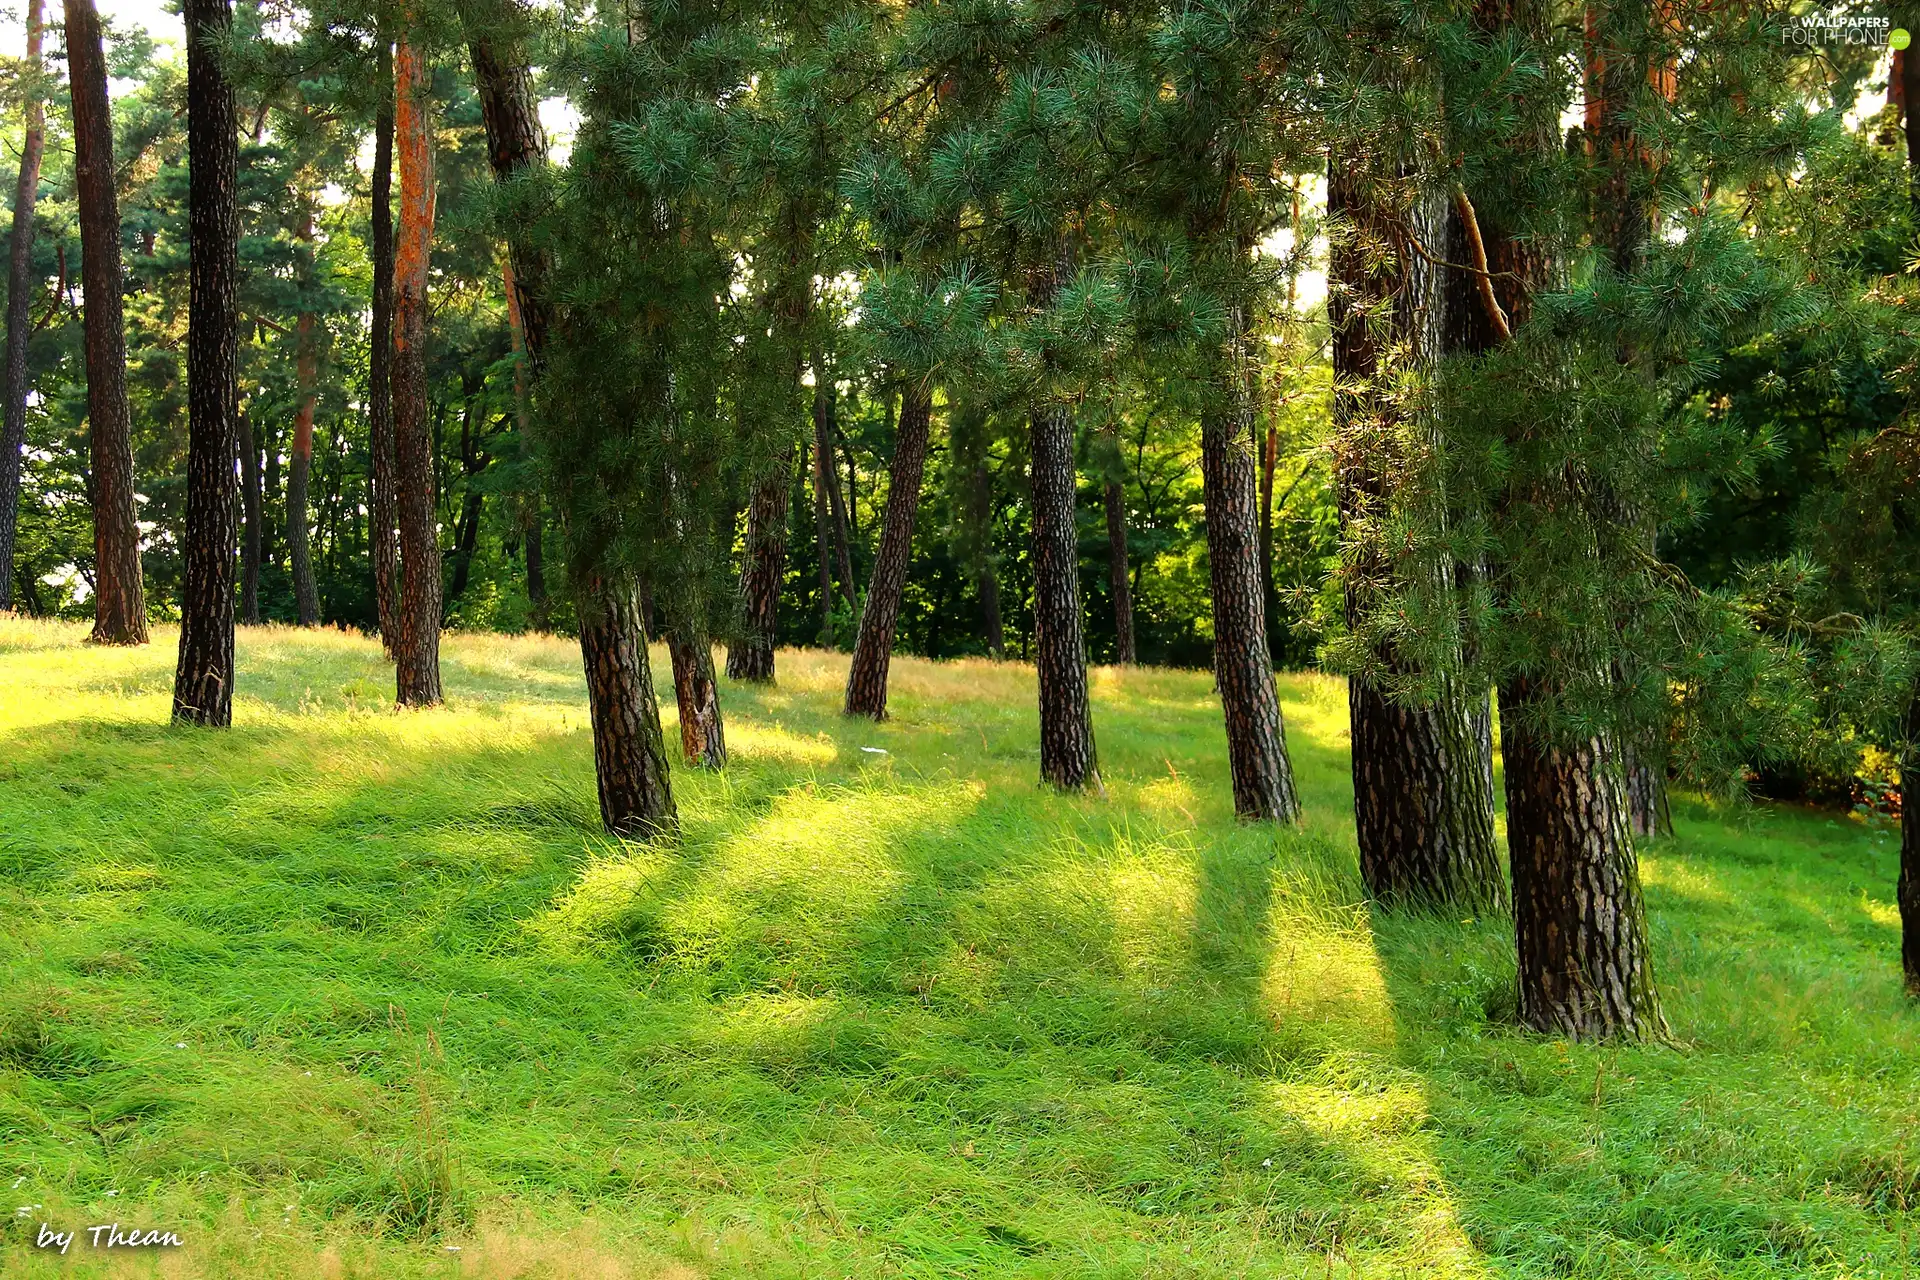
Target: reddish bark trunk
703	738
417	664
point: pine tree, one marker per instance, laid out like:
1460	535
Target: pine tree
13	418
120	604
204	677
630	760
417	660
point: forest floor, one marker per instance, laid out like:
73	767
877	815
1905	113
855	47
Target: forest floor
351	992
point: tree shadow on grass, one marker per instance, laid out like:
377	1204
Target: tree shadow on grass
1759	1144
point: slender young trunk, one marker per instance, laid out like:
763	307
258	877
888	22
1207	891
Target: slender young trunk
703	737
537	612
417	664
1067	756
1423	805
1256	736
629	752
203	680
826	426
760	579
383	512
986	575
466	535
250	511
822	536
529	500
13	422
873	650
306	596
1119	574
120	602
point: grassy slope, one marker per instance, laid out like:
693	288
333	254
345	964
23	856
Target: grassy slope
343	987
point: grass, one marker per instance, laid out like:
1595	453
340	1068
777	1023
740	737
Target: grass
350	992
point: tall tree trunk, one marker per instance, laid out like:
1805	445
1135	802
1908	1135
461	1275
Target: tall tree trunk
1256	736
120	601
703	738
1423	804
1579	920
1119	574
1067	756
383	512
760	579
203	679
13	421
417	664
250	531
873	649
629	750
306	364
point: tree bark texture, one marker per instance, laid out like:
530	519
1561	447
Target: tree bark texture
417	662
250	526
1119	575
873	649
629	752
1580	922
306	595
26	196
203	678
760	579
383	515
703	737
120	602
1423	805
1067	756
1256	737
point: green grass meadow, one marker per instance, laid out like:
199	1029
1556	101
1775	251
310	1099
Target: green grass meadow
351	992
